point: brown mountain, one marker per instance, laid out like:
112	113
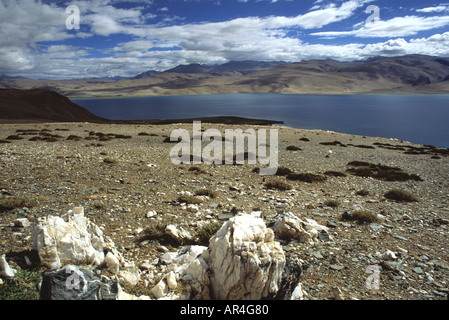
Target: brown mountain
42	105
411	74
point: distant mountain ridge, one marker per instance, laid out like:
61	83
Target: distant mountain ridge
244	67
410	74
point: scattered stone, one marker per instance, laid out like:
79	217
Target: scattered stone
298	293
338	295
417	270
401	238
129	276
336	267
389	255
178	234
160	289
22	223
5	270
288	226
77	283
376	227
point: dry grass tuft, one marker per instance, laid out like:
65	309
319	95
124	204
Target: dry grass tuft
401	196
206	192
278	185
306	177
360	217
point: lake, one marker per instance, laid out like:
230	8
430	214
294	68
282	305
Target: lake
419	119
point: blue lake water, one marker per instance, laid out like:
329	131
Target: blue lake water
418	119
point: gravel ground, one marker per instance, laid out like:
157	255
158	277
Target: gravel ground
127	183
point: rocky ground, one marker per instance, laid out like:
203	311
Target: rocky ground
123	177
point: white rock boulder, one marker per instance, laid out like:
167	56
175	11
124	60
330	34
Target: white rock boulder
71	239
244	260
287	226
5	270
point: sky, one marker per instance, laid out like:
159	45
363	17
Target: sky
44	39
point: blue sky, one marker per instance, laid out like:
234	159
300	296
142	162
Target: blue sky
127	37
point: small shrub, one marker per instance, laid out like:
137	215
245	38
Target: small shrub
156	232
122	136
14	137
143	134
335	174
11	203
196	169
104	138
359	164
360	217
333	143
189	199
380	172
278	185
50	139
293	148
109	161
364	217
5	141
362	193
283	171
304	139
74	137
306	177
332	203
401	196
207	231
206	192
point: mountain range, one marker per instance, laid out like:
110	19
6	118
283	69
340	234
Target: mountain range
410	74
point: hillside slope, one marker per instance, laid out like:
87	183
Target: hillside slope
42	105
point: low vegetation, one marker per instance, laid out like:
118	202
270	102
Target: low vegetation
277	185
362	193
207	231
206	192
10	203
332	203
21	287
380	172
306	177
335	174
401	196
110	161
360	217
188	199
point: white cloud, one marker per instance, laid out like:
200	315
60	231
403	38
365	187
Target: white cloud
396	27
440	8
163	46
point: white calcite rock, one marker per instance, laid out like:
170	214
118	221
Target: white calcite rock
288	226
178	234
160	289
244	260
71	239
112	263
5	270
